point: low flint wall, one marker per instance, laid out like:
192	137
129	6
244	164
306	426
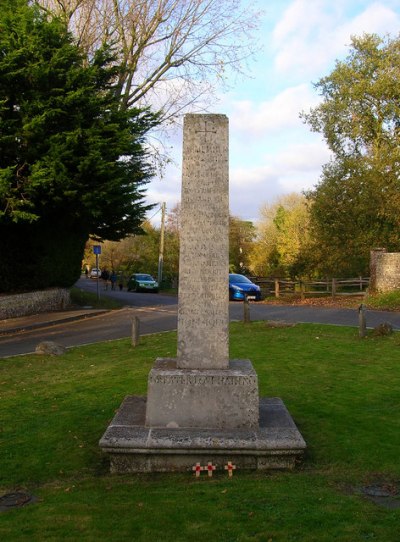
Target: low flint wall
15	305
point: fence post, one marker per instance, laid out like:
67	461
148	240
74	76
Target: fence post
333	287
276	287
302	290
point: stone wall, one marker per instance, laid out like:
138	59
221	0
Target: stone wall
385	271
15	305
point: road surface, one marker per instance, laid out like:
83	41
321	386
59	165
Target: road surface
158	313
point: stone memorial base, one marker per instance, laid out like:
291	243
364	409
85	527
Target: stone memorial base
132	446
206	398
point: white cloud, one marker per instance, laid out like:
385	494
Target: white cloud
294	169
300	37
377	18
251	119
313	33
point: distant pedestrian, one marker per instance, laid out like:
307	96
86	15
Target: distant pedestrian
105	275
86	272
113	279
121	281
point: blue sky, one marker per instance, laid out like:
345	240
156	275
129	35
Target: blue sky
271	151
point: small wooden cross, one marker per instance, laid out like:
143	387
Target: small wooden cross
197	469
230	468
210	468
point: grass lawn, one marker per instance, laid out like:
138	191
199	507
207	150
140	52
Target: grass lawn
82	297
343	392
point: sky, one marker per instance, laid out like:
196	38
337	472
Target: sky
272	152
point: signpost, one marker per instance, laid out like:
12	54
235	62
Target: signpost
97	251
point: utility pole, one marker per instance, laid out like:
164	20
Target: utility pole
161	252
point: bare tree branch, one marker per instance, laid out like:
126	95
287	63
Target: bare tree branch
172	53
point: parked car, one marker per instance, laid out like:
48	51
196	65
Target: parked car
141	282
95	273
240	286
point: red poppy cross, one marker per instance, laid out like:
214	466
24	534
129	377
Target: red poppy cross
230	468
210	468
197	469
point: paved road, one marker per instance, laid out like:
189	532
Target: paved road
158	313
129	298
112	325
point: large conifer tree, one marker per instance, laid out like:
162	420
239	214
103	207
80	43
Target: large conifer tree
72	162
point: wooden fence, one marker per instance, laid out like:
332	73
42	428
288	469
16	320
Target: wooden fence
303	288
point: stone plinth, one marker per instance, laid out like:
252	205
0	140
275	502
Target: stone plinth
203	304
207	398
132	447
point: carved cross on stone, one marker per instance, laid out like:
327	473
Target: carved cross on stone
211	129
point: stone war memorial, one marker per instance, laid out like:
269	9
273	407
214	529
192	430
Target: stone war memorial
202	407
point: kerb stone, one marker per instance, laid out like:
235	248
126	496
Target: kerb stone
212	398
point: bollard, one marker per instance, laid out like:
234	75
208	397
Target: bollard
246	310
135	331
362	325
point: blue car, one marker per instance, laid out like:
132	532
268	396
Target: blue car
240	286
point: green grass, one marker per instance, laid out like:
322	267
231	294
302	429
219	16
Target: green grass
389	301
83	298
342	391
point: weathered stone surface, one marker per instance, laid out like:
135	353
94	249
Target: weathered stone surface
384	271
12	306
212	398
133	447
50	348
203	314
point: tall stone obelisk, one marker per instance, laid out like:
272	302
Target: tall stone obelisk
203	314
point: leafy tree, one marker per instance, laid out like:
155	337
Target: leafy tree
140	252
72	162
355	206
172	245
135	253
241	236
281	246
